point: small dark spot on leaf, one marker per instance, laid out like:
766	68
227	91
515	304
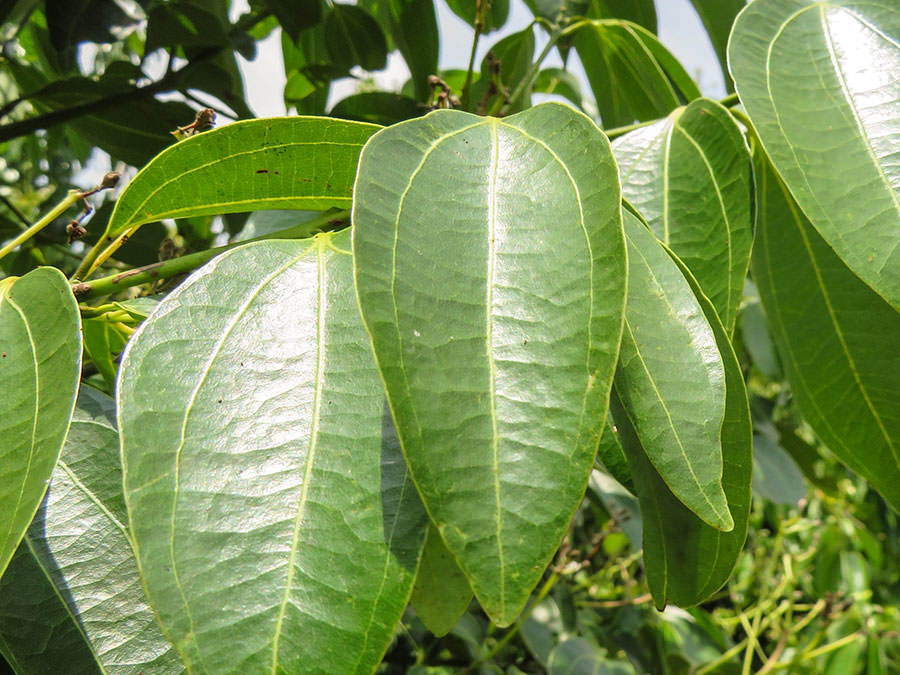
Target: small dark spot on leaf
219	401
306	180
3	355
262	171
275	172
525	341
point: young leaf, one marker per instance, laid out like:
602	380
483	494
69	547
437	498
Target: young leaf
441	593
632	75
40	364
495	319
689	176
72	593
838	339
671	379
686	559
103	342
274	520
816	80
288	162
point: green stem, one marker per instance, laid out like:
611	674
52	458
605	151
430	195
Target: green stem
72	197
528	81
187	263
479	26
730	100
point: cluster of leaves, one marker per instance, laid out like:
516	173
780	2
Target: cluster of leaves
362	449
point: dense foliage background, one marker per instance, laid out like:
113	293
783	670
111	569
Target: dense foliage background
816	588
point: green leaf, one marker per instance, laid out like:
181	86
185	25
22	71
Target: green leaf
441	593
103	342
775	475
139	308
577	656
558	12
40	364
279	163
295	15
718	17
671	379
817	80
611	456
514	54
689	176
642	12
686	559
494	18
250	396
632	75
412	24
353	37
72	594
456	263
838	340
377	107
559	82
622	505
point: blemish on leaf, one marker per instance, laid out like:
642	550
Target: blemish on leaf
262	171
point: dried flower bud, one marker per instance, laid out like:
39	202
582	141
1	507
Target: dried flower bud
205	119
75	231
110	180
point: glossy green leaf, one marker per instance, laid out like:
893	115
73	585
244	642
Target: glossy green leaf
40	364
72	594
718	17
377	107
671	379
686	559
632	75
689	176
577	656
288	162
354	38
441	593
495	319
494	18
838	340
775	475
250	396
817	80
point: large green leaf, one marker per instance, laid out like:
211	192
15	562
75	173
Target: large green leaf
40	363
495	318
718	17
689	176
441	593
632	75
838	340
818	81
279	163
642	12
71	600
671	379
275	523
412	24
686	559
353	37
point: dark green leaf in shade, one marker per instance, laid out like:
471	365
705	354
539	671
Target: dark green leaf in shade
558	11
839	341
686	559
250	396
494	18
689	175
611	455
817	80
622	505
577	656
184	24
670	378
278	163
71	601
378	107
441	593
354	38
513	56
757	340
641	12
718	17
633	77
495	320
40	364
307	72
295	15
775	475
